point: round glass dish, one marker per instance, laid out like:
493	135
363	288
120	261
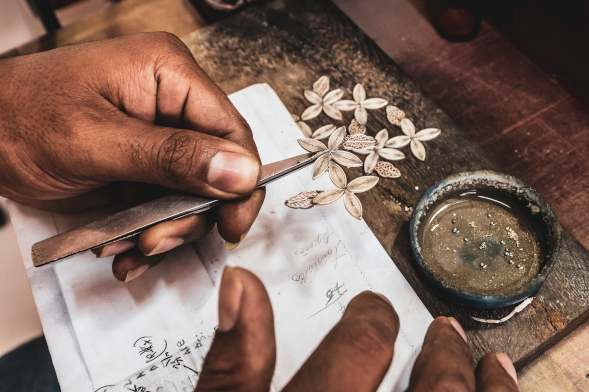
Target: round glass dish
484	239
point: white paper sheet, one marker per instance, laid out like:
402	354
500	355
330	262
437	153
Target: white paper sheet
155	331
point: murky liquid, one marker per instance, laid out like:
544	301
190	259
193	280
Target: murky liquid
480	243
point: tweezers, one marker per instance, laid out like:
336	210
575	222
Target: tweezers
133	221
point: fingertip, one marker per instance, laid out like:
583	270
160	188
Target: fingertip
235	218
458	327
233	172
505	361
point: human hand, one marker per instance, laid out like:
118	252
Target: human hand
354	356
82	126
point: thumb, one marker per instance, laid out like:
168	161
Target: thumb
180	159
243	353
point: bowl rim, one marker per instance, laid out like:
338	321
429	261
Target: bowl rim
456	294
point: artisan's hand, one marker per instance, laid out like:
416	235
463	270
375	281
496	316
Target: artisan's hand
354	356
81	126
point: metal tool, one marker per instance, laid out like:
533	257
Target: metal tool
135	220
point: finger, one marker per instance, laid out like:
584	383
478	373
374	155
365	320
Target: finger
356	353
235	218
445	362
243	353
132	264
496	373
168	235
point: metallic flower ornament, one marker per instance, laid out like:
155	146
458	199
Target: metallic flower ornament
351	201
322	100
416	139
379	151
395	115
360	104
330	152
302	200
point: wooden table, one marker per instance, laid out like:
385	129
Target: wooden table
416	61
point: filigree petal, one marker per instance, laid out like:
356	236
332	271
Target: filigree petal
333	96
320	165
364	151
328	196
395	115
361	115
359	142
311	112
337	175
305	129
336	138
387	170
370	162
302	200
391	154
407	127
362	184
313	97
332	112
323	132
418	149
345	105
345	158
321	86
427	134
312	145
381	138
355	128
398	142
353	205
375	103
359	93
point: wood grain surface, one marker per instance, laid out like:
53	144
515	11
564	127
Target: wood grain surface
289	44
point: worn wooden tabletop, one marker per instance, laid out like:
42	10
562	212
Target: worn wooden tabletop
289	45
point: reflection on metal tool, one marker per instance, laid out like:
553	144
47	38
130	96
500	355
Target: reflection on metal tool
133	221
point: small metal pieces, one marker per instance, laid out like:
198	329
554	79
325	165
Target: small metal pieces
465	239
455	230
359	142
379	151
302	200
387	170
395	115
517	309
415	139
330	152
360	104
356	128
322	100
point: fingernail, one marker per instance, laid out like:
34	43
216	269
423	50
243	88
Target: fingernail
458	327
231	246
230	295
165	245
385	298
233	172
115	248
135	272
507	365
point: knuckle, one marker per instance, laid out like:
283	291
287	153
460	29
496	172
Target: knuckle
177	157
451	382
368	337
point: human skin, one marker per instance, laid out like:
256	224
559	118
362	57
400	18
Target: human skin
354	356
118	121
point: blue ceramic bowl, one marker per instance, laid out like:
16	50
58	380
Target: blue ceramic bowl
509	187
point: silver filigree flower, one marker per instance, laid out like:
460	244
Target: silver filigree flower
379	151
324	132
305	129
329	152
302	200
395	115
322	100
416	139
360	104
351	201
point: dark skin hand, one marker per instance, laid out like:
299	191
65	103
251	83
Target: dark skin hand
354	356
114	121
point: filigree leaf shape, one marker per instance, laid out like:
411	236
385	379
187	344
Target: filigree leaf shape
418	149
356	128
362	184
305	129
336	138
359	142
391	154
395	115
321	86
312	145
337	175
323	132
345	158
302	200
427	134
328	196
321	165
353	205
387	170
370	162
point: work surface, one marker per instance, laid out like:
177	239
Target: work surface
289	45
